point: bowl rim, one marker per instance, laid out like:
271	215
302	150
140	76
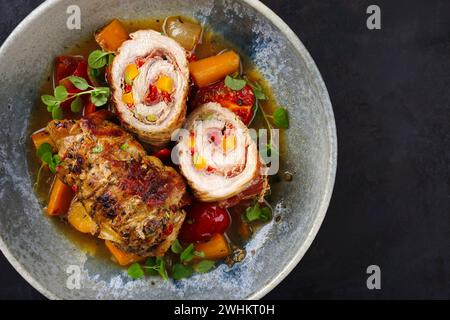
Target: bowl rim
331	133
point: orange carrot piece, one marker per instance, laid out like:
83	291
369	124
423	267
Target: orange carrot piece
215	68
214	249
60	198
122	257
111	36
40	137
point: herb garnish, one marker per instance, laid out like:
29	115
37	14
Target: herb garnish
152	266
176	247
181	270
204	266
255	212
45	153
97	149
234	83
98	59
99	96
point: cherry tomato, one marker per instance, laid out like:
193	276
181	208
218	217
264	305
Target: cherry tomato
163	154
203	220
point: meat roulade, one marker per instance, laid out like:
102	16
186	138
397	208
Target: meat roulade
218	157
150	79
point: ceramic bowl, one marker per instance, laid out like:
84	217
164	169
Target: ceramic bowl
45	257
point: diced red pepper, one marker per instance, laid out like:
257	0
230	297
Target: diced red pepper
139	62
154	95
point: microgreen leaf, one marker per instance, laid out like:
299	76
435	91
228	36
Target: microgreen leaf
253	213
60	93
259	94
257	213
151	267
200	254
54	162
176	247
76	105
49	100
98	59
280	118
266	214
180	271
78	82
135	271
97	149
45	153
99	96
187	253
204	266
124	147
156	266
162	268
57	113
235	84
43	149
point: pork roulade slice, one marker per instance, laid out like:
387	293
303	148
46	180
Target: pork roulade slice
219	158
150	80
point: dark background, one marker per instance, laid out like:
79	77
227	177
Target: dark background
390	94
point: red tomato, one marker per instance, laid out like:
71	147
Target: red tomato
163	154
203	220
89	108
240	102
65	66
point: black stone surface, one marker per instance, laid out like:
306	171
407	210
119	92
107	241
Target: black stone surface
390	93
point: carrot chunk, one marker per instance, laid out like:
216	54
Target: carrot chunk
40	137
215	68
111	36
214	249
60	198
122	257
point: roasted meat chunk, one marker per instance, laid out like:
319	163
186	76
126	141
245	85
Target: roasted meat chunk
130	198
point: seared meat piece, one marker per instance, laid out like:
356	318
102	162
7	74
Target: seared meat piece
133	198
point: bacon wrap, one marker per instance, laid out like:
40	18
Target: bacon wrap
219	158
153	115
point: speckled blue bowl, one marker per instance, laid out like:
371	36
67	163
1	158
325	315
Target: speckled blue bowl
42	254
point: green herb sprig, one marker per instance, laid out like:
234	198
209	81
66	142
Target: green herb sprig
152	266
156	266
256	212
98	59
45	153
99	96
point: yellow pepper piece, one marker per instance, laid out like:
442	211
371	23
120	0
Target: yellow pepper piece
199	162
228	143
131	72
191	142
128	98
165	84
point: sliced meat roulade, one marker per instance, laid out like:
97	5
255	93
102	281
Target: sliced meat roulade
219	158
150	79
